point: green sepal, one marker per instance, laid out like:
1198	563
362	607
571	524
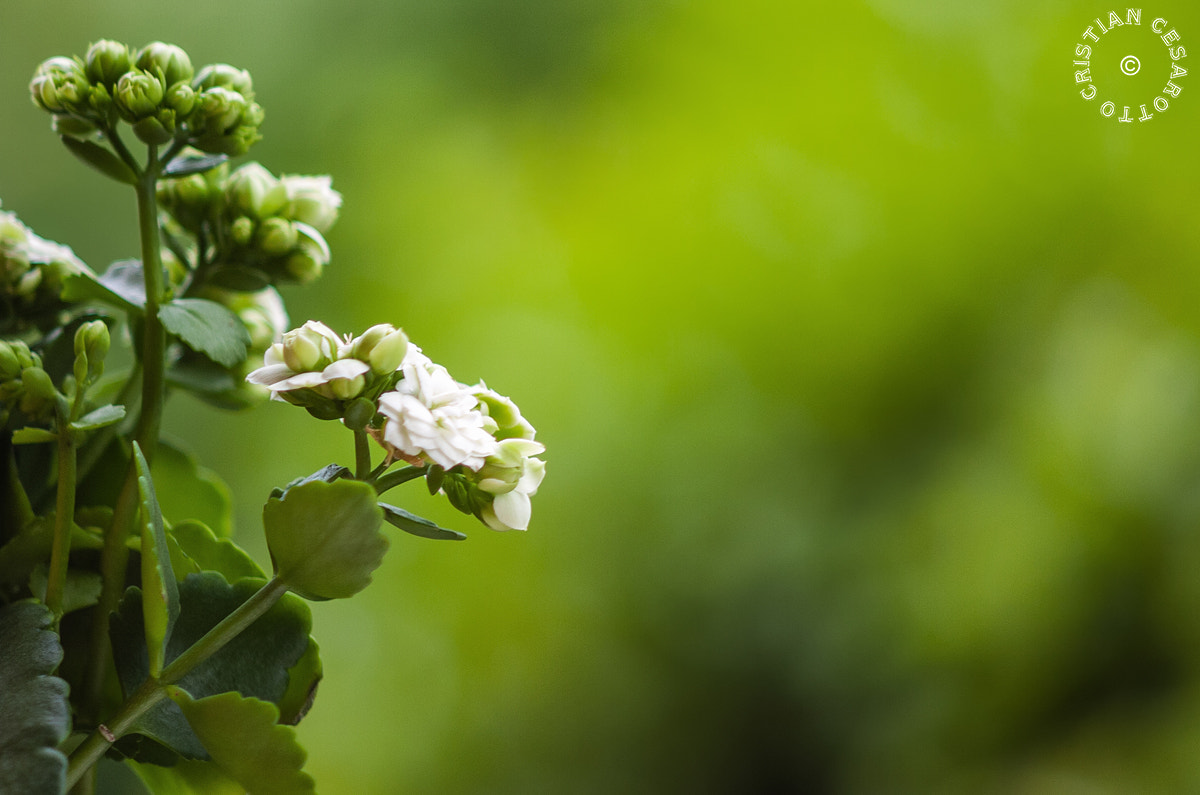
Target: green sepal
326	474
257	663
99	418
207	327
417	525
36	715
245	740
210	553
122	286
99	158
160	608
33	436
186	165
324	538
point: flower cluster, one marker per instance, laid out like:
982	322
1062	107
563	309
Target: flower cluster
156	91
268	229
32	271
474	443
26	392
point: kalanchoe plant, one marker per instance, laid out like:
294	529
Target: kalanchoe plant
131	625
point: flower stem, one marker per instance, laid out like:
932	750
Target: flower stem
395	478
64	517
362	455
154	690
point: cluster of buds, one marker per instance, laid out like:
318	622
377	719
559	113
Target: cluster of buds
156	91
477	447
27	395
268	229
32	271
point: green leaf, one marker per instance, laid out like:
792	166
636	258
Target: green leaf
185	165
82	588
303	678
244	738
324	538
215	554
186	777
33	436
242	278
160	608
105	415
257	663
418	526
326	474
22	554
187	490
35	716
207	327
122	285
101	159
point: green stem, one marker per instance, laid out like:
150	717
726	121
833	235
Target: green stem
64	515
153	690
395	478
115	556
362	455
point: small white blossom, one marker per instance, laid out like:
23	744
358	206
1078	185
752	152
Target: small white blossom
312	200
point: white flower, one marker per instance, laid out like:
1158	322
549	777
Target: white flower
308	358
511	507
431	415
312	200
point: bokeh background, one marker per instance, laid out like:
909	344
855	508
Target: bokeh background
865	351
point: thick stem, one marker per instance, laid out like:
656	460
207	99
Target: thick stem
362	455
115	557
64	516
153	691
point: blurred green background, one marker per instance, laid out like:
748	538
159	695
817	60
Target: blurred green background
865	352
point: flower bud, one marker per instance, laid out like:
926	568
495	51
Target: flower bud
59	85
220	75
220	109
73	126
311	347
106	61
137	95
303	267
255	191
39	392
10	363
359	414
276	236
242	231
91	346
312	200
156	129
383	347
181	98
167	61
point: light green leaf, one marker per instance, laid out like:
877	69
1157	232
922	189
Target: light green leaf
417	525
101	159
35	716
324	538
186	777
186	490
33	436
215	554
160	607
207	327
105	415
245	740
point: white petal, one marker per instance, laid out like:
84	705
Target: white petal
513	509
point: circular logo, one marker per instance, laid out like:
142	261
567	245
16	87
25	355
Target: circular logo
1130	67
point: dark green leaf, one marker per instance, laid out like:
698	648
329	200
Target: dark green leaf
418	526
256	663
324	538
242	278
215	554
100	159
33	436
185	165
122	285
105	415
245	740
303	678
21	555
326	474
160	607
35	716
82	588
207	327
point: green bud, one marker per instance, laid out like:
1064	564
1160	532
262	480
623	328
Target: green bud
171	63
242	231
346	388
303	267
152	130
383	347
91	346
59	85
10	364
220	75
276	236
359	414
106	62
182	99
100	100
309	348
256	191
39	391
138	95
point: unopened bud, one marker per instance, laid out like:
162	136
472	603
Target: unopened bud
181	98
156	129
277	236
383	347
171	63
137	95
106	61
242	231
224	76
256	191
